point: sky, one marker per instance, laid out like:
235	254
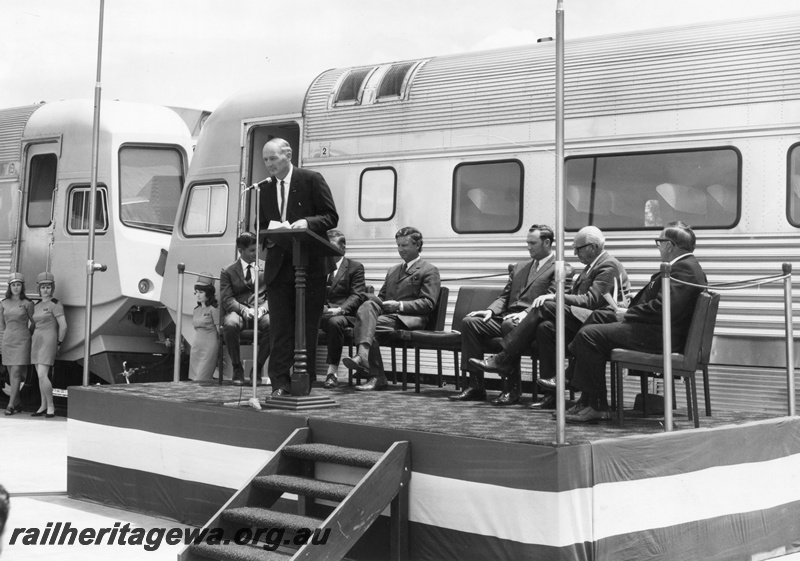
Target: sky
196	53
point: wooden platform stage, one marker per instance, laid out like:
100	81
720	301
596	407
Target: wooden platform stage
487	482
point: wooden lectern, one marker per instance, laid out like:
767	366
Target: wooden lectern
302	242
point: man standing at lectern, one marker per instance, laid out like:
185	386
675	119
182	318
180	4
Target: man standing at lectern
303	199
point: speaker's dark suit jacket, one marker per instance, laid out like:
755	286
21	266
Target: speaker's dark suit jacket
309	197
639	330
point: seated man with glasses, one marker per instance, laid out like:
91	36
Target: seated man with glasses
602	277
638	327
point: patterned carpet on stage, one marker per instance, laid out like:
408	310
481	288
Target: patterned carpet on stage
431	411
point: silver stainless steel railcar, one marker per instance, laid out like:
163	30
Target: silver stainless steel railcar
45	175
698	123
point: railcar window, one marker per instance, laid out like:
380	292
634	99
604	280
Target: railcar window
41	186
647	191
150	182
352	86
487	197
793	185
377	195
206	210
393	81
78	221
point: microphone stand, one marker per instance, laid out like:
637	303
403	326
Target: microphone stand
253	401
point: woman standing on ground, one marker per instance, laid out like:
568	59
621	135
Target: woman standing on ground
16	315
205	320
51	328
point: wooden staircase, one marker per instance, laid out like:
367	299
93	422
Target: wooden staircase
245	529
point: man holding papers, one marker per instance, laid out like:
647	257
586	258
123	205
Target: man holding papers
302	199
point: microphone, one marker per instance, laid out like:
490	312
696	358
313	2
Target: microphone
259	184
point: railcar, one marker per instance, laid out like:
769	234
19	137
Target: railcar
45	178
697	123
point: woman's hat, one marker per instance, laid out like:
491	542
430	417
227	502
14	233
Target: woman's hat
205	279
16	277
45	277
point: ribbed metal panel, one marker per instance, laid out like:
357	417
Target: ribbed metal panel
681	68
12	125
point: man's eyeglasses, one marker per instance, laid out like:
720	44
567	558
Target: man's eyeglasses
659	241
580	247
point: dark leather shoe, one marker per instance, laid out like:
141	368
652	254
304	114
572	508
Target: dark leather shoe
280	392
331	381
546	383
356	363
506	398
238	375
469	394
547	403
588	415
490	365
373	384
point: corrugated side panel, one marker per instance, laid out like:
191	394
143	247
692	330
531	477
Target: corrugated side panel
755	314
6	250
12	125
679	68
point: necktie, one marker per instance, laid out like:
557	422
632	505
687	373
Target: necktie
532	273
283	202
248	277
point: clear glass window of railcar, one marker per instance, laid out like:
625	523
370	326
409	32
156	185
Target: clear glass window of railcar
487	197
793	186
41	185
78	219
150	179
206	210
648	190
377	194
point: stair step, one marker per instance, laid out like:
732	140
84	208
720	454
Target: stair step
237	552
254	517
305	486
334	454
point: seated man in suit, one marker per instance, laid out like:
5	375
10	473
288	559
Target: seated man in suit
637	327
602	275
407	297
345	292
237	294
527	281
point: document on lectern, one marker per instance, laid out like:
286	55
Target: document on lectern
274	225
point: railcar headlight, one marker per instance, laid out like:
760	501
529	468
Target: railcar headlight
145	286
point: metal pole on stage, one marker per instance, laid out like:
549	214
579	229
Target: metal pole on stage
559	273
787	296
666	326
91	266
176	365
253	401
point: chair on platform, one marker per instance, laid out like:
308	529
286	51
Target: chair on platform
470	298
696	355
401	338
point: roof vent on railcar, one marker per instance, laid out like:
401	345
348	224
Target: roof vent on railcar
350	88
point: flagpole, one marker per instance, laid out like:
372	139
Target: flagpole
560	339
91	266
